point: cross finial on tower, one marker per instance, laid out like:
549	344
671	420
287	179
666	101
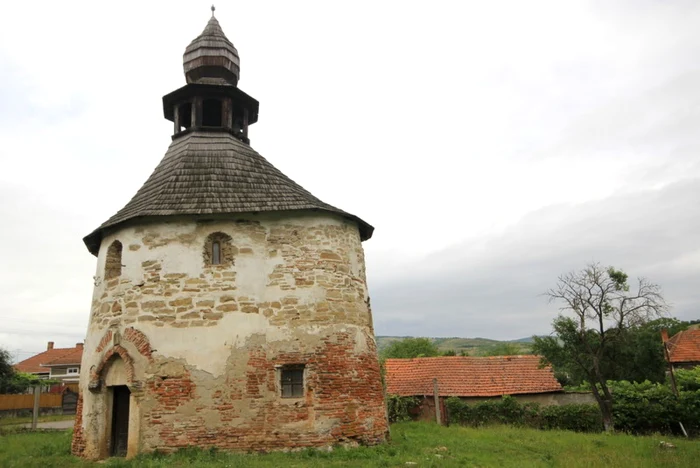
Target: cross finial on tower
213	8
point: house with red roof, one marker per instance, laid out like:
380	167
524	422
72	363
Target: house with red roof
55	363
476	379
683	348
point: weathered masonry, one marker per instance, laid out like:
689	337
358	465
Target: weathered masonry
230	306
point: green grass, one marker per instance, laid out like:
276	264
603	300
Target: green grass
425	444
9	421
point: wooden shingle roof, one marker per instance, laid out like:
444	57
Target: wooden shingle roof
684	346
210	52
208	172
465	376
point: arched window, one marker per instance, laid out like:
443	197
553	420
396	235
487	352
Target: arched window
211	113
218	250
113	262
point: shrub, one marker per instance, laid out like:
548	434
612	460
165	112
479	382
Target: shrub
645	408
688	379
582	418
638	408
579	418
399	408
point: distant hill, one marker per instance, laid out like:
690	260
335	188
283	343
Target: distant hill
473	346
527	339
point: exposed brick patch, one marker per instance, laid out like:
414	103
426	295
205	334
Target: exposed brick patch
116	350
342	389
106	339
169	392
140	341
78	442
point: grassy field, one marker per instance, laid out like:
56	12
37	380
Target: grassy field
28	419
424	444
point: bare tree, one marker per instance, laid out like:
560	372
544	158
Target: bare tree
603	307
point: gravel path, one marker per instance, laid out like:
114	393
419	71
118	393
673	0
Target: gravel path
61	425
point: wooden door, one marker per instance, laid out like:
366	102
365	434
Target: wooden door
120	420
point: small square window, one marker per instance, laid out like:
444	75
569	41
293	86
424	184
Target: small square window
72	370
292	380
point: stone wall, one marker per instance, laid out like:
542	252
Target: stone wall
201	346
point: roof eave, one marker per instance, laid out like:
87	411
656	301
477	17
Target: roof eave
94	239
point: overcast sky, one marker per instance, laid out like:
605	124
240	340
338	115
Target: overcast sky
493	145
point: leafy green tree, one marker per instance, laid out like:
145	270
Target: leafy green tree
410	348
640	356
21	381
449	352
12	381
7	372
602	309
503	349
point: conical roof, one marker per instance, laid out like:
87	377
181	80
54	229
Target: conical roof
205	172
211	57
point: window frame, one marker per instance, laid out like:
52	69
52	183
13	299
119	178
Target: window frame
296	383
69	369
226	250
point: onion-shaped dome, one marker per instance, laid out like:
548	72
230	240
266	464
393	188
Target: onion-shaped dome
211	58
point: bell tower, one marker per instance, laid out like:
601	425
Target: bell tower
230	306
211	99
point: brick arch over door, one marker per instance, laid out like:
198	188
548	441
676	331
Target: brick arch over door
131	335
115	352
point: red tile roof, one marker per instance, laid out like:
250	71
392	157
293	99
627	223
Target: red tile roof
684	346
469	376
73	356
50	357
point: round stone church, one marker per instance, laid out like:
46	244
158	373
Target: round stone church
230	306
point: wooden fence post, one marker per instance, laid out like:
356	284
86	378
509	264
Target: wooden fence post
35	412
674	387
438	416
